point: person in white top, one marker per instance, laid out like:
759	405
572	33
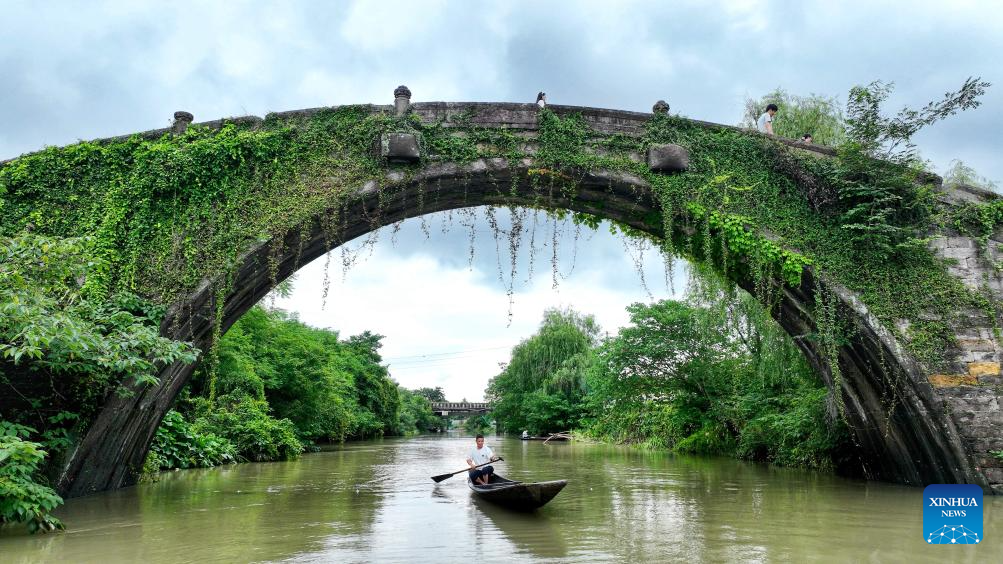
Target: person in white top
481	455
765	122
541	99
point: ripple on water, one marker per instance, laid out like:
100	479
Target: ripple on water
375	502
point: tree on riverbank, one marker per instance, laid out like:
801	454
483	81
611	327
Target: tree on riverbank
714	375
72	344
432	394
542	388
721	378
280	385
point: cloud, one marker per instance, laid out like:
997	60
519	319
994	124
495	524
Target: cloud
425	299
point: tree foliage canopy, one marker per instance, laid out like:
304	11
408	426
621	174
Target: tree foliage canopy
542	387
47	316
820	116
713	379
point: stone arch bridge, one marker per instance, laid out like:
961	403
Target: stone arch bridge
914	421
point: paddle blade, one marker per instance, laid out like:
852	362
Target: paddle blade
442	477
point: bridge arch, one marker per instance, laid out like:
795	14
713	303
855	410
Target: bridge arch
897	418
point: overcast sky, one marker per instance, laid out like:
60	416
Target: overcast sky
119	67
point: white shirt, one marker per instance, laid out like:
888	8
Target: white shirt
480	456
541	103
763	120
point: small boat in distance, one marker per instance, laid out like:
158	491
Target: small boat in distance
517	495
549	437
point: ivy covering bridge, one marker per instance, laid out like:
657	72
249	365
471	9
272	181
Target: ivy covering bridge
887	282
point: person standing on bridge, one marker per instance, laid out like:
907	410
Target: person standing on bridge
765	122
541	100
481	455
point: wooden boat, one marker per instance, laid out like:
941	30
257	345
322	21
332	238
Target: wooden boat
517	495
551	437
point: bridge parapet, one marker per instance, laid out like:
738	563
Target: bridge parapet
502	115
446	407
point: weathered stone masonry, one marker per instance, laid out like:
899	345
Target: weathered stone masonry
972	390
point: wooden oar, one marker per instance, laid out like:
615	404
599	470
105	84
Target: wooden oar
442	477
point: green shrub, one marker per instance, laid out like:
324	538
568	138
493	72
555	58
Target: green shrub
178	445
49	317
792	430
711	438
245	422
22	498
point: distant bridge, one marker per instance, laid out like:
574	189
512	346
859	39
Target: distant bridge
451	407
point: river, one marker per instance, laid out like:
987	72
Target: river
375	502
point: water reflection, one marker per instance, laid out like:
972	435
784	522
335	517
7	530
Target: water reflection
531	533
375	502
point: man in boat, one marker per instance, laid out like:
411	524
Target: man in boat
481	455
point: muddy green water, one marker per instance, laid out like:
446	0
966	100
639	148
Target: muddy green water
375	502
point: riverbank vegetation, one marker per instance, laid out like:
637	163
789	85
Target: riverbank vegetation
709	375
23	497
274	387
280	386
66	348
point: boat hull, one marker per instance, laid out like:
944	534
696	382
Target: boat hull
520	496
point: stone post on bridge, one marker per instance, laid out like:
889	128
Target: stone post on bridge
402	100
181	122
399	146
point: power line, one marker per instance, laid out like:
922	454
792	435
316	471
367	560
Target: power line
421	356
421	366
443	359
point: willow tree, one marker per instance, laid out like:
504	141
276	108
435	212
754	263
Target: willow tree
543	387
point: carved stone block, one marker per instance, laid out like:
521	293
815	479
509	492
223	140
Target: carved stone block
668	158
399	147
